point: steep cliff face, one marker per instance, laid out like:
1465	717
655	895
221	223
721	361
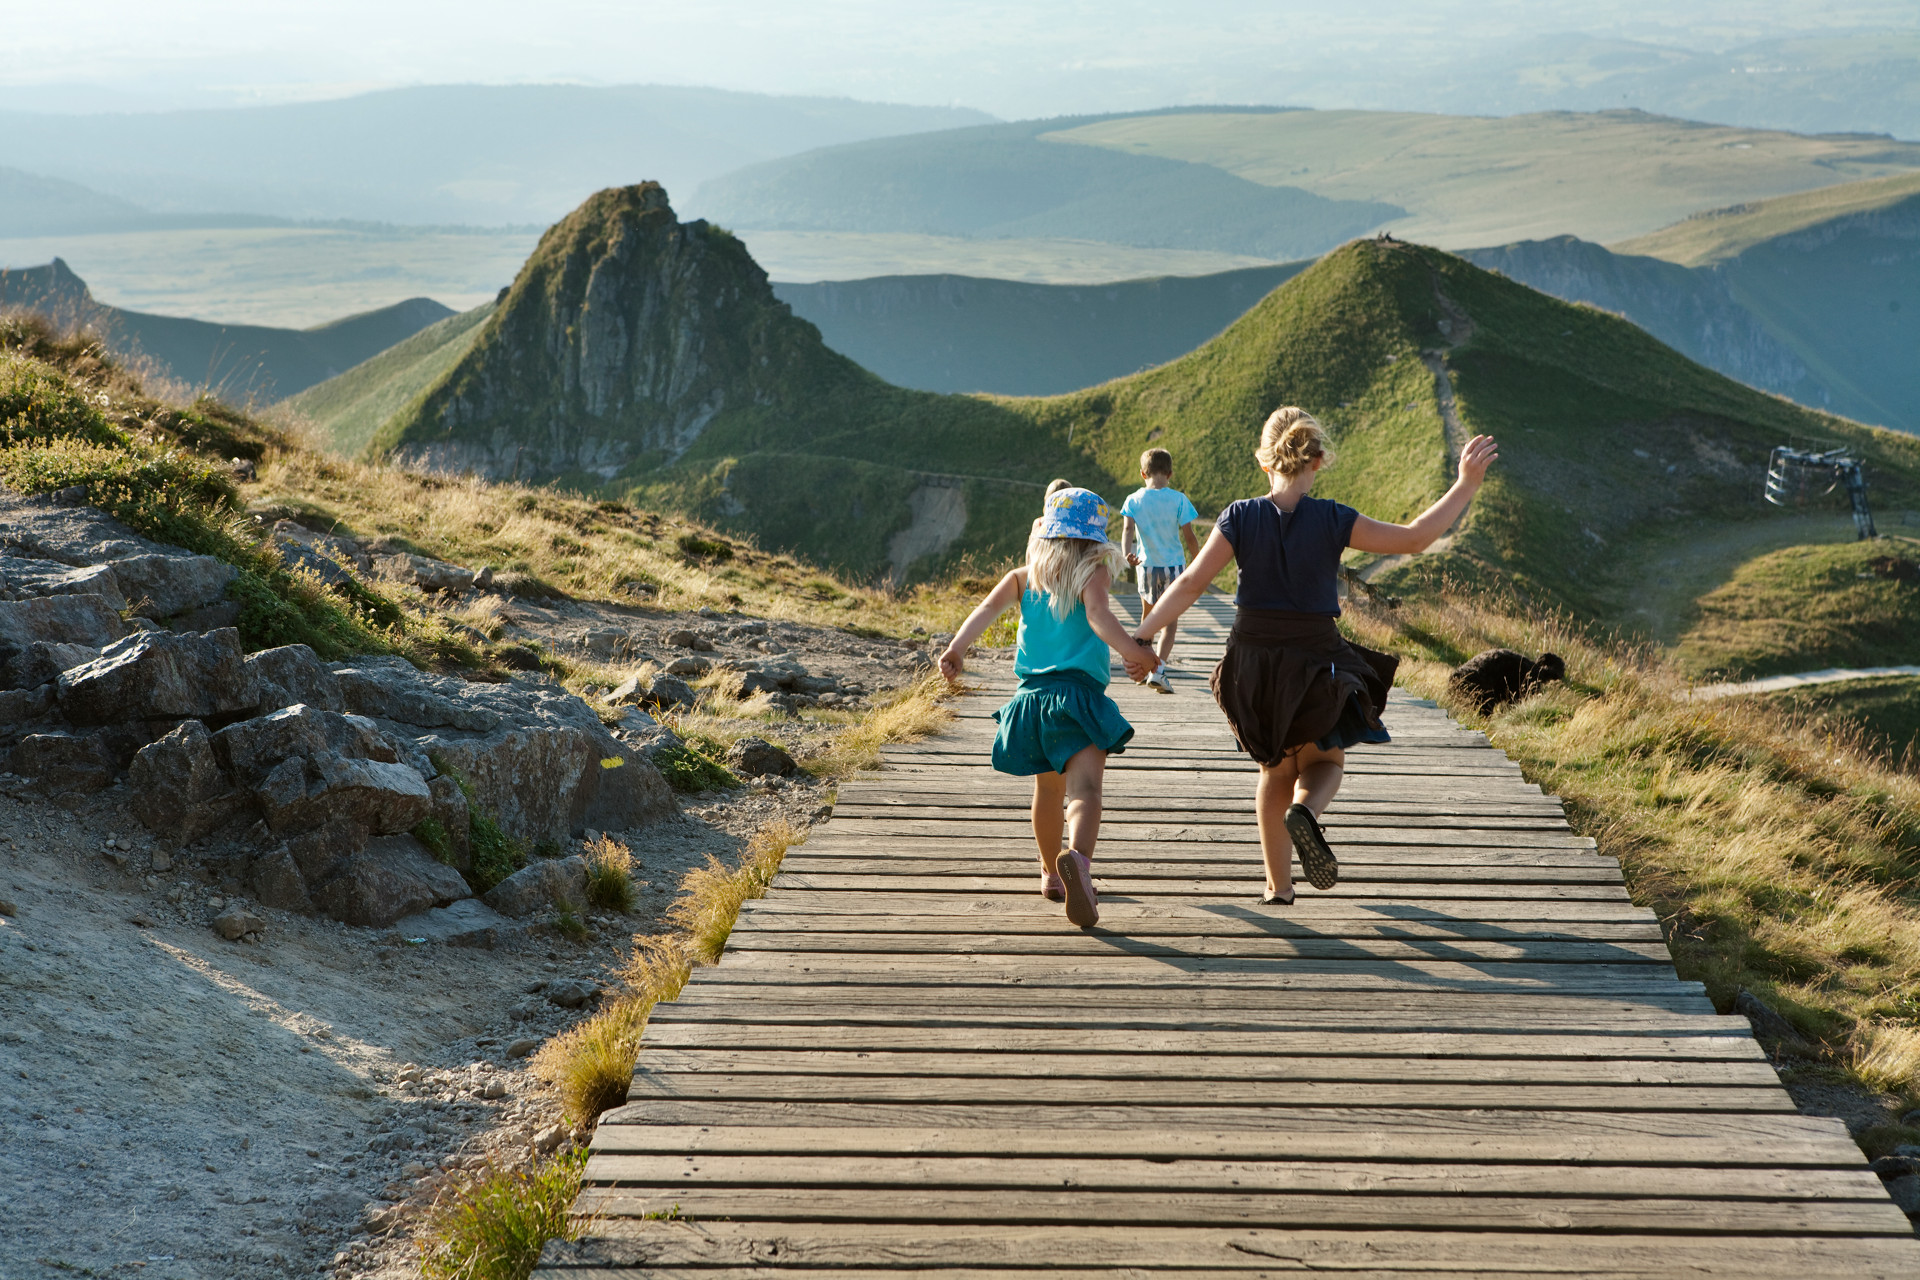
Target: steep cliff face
627	335
1690	310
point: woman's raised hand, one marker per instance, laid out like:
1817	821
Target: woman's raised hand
1479	454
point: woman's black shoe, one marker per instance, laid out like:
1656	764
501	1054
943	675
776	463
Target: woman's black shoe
1316	857
1275	900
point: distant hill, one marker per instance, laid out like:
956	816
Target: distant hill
687	383
235	361
31	205
1470	180
487	155
962	333
1003	182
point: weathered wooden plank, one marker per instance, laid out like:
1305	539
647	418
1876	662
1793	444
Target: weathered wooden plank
1081	1044
1006	1066
1041	1103
1546	1249
1135	887
1239	875
1146	1209
1374	1179
1082	945
1019	851
1311	1002
1578	1138
927	824
778	916
1310	907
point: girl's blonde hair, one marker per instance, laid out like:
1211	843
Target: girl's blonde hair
1060	568
1291	440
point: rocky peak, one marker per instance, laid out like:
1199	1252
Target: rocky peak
627	333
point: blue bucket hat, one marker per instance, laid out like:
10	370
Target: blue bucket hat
1076	513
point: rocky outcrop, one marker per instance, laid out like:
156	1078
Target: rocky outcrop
330	768
548	882
627	332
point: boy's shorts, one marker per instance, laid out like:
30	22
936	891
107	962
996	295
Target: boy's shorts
1155	580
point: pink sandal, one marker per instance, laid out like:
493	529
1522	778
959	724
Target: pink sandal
1076	874
1050	887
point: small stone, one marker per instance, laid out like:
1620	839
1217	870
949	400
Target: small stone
687	639
140	919
214	904
670	691
491	1089
9	908
522	1047
754	757
237	923
689	667
1912	1119
1767	1024
1906	1193
571	993
162	861
547	1139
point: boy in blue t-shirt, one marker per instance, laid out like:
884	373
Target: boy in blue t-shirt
1158	515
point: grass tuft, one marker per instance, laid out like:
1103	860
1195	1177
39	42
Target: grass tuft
911	714
713	893
494	1227
690	771
591	1065
610	875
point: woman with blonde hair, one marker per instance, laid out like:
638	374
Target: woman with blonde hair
1295	691
1060	725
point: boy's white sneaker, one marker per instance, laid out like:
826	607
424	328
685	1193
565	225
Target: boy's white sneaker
1158	682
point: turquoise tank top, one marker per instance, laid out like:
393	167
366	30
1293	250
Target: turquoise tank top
1050	645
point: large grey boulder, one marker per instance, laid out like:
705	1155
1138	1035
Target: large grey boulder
555	882
303	792
63	762
451	812
467	923
538	758
391	878
160	586
66	619
276	881
27	578
41	662
252	749
179	788
157	675
293	674
390	689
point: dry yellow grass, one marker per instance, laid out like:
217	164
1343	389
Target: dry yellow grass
713	893
911	714
590	549
1781	855
610	874
591	1065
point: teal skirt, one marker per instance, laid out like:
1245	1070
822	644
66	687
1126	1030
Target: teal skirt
1052	718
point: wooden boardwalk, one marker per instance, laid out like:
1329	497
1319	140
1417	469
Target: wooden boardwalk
1472	1056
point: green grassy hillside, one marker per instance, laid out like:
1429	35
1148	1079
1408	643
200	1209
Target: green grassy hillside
1471	180
1617	451
1887	710
1718	235
348	409
1809	607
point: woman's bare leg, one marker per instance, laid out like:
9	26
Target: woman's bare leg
1270	801
1319	775
1049	820
1085	776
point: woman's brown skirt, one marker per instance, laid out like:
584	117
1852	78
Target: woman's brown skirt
1291	678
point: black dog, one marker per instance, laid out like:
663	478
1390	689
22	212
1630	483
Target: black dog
1499	676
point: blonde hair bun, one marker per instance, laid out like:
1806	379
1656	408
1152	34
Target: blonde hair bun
1291	440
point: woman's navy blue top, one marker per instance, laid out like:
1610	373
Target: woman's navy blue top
1288	560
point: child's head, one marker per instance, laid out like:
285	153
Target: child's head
1057	486
1291	441
1156	462
1068	544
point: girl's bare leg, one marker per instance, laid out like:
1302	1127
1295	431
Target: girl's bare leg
1084	775
1049	820
1270	801
1166	640
1319	776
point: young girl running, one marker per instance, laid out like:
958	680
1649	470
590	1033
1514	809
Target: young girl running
1060	725
1296	692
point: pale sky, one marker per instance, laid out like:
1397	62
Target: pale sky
1035	57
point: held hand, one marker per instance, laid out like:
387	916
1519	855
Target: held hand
1133	559
1137	671
1480	453
952	662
